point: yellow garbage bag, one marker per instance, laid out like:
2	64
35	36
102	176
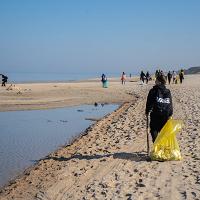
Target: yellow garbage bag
166	146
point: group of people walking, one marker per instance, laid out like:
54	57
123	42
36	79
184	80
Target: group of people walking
159	99
172	76
144	77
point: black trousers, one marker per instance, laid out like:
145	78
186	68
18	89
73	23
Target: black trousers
156	124
3	83
181	79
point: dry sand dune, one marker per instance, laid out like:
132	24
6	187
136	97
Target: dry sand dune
109	161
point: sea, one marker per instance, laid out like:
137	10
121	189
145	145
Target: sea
53	77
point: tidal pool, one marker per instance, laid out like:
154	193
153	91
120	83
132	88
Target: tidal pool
27	136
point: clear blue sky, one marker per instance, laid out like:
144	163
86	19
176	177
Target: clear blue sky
98	35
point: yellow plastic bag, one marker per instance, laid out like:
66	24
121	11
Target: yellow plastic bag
166	146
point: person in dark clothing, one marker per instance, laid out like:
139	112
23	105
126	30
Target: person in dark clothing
181	76
103	78
156	73
169	77
159	105
142	76
4	80
104	81
147	77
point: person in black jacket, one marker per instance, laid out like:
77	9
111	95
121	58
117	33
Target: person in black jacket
4	80
159	105
169	77
142	76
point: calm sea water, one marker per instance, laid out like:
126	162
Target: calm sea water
48	77
27	136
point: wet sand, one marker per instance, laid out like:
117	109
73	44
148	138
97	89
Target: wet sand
109	160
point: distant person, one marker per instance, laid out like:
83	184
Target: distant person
156	73
147	77
4	80
123	78
103	77
104	81
130	75
159	105
174	76
181	75
142	76
162	73
169	77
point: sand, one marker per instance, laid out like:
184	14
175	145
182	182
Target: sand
109	160
54	95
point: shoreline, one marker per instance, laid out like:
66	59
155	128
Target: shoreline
92	79
26	172
110	160
67	144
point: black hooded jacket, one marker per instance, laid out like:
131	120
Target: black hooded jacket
159	102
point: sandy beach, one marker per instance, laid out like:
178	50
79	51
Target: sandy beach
108	160
54	95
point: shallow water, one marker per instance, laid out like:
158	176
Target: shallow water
26	136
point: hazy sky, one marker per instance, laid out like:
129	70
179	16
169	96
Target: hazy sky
98	35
